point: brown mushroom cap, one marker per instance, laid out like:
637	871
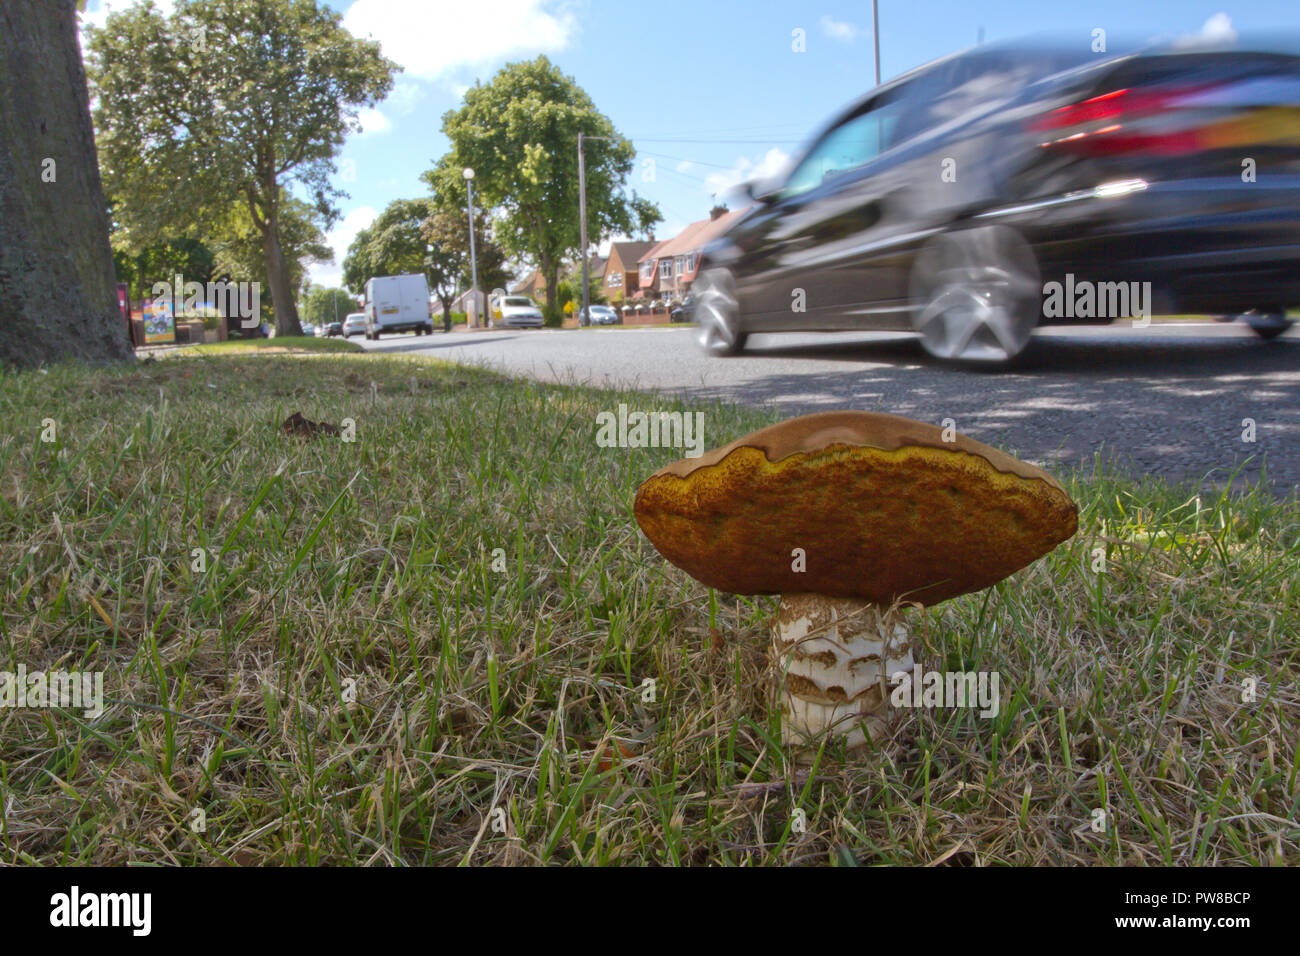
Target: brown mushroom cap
882	507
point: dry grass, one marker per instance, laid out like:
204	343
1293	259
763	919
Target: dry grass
365	569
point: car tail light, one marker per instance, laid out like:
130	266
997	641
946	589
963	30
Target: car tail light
1175	120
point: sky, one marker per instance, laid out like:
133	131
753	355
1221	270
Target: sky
711	92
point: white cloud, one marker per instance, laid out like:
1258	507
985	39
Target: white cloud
1219	27
685	166
839	29
373	121
1215	31
774	164
339	238
436	38
404	98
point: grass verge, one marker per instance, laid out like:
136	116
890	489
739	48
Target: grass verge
432	645
279	344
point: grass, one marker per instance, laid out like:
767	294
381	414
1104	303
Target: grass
282	344
349	681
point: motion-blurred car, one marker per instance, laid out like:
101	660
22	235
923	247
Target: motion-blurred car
326	329
354	324
516	311
601	315
1009	186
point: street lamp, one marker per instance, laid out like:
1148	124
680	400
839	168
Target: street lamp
473	258
583	317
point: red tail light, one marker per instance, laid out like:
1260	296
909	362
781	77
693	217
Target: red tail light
1160	121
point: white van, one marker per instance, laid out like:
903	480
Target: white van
398	304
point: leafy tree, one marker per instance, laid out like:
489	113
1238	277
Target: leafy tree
322	305
519	133
229	101
421	235
58	299
447	230
239	252
160	262
389	246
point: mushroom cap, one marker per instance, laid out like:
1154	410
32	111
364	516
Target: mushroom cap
883	508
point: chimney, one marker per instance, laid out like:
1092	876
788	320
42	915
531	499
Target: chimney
716	211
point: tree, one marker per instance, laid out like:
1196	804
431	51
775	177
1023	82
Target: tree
519	133
237	244
327	305
420	235
191	258
447	230
229	101
58	295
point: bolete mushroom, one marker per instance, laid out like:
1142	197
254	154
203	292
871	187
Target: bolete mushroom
850	517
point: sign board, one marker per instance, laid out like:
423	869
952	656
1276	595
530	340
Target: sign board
159	321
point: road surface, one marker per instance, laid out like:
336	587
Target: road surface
1174	399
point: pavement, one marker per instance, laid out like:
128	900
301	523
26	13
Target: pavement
1176	399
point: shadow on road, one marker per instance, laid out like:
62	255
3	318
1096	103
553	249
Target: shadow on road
439	340
1186	409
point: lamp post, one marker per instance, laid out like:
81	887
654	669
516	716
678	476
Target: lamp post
583	317
473	258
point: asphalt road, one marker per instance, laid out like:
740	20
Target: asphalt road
1167	400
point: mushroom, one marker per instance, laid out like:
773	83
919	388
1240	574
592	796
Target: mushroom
850	517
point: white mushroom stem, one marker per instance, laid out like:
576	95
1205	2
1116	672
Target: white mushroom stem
836	656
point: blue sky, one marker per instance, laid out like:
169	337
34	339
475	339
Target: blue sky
711	92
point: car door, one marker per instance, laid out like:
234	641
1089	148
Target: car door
799	270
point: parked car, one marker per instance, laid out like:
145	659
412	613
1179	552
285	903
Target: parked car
516	311
601	315
330	328
398	304
969	200
354	324
682	312
308	328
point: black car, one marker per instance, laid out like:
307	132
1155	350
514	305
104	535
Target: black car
684	311
987	193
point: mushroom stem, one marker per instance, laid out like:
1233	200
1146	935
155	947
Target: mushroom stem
836	656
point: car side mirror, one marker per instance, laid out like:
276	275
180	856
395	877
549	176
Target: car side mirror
764	196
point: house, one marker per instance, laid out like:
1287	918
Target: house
669	269
534	286
620	271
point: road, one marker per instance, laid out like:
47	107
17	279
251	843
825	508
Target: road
1168	400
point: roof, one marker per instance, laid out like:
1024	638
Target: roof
631	252
694	236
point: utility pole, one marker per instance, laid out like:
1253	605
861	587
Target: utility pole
582	228
473	257
875	35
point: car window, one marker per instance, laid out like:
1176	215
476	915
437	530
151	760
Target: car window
852	144
515	300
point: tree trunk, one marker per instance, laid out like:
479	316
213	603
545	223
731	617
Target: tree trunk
446	312
277	273
551	273
58	291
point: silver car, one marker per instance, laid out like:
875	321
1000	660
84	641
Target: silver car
354	324
516	312
602	315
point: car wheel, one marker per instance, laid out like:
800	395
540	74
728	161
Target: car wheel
717	313
976	295
1268	322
